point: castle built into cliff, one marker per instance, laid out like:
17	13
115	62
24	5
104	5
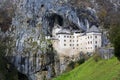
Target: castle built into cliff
73	42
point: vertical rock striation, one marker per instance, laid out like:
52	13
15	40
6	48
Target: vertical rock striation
30	51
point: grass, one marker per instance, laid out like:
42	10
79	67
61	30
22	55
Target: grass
91	70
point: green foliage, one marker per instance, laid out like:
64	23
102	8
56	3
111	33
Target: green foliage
7	72
114	32
2	49
91	70
71	64
117	46
81	61
97	57
115	38
34	44
75	64
6	13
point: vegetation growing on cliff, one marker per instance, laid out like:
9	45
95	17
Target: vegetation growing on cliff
92	70
7	71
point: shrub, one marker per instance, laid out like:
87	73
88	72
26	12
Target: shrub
117	46
81	61
115	38
96	57
75	64
71	64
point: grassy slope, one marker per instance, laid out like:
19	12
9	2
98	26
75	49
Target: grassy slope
91	70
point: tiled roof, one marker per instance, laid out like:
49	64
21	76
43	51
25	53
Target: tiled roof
64	31
93	29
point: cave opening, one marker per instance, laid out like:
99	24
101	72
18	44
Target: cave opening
59	20
52	20
42	5
55	19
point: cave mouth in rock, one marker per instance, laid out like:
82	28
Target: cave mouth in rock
52	20
56	19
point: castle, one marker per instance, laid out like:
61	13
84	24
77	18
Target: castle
68	42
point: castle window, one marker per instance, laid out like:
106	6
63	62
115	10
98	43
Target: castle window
64	40
77	44
90	36
95	36
64	36
70	45
64	44
96	42
91	42
70	36
95	46
70	40
67	36
77	40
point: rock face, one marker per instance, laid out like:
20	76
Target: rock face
31	52
27	46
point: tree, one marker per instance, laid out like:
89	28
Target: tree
117	46
7	11
115	39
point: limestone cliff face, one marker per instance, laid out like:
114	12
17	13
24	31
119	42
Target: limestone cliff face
28	49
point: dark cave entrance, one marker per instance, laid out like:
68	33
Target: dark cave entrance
59	20
52	20
55	19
